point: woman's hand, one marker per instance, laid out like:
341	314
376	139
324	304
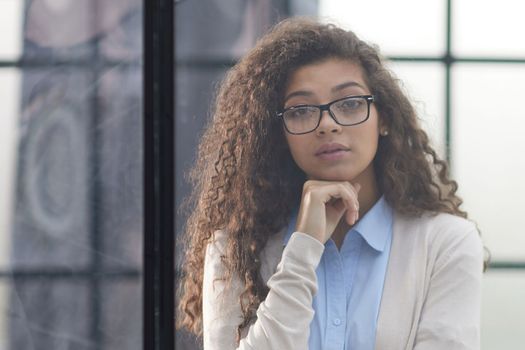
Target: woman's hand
323	203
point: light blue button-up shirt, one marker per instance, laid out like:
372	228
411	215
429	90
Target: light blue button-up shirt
350	283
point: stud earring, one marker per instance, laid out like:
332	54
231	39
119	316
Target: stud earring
384	132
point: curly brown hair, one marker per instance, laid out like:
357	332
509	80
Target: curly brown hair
245	180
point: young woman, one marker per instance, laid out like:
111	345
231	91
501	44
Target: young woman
323	218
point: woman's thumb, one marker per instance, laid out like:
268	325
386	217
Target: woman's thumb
357	187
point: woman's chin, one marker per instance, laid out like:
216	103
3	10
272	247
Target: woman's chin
331	177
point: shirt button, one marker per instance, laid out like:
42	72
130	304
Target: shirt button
337	321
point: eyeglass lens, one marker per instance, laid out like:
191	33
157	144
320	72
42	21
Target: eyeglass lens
349	111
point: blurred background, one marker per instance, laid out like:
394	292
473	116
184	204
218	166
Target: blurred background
71	216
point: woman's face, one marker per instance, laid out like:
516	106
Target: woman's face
320	83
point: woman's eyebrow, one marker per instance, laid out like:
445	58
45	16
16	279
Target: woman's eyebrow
297	93
334	89
347	84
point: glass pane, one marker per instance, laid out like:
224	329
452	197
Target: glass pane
482	27
425	85
487	139
503	310
40	313
10	98
4	317
10	29
405	27
218	30
192	108
61	30
52	215
120	146
121	321
71	216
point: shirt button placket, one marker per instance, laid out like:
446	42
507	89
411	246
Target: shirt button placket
336	301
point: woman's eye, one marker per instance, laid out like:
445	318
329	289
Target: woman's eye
298	112
350	104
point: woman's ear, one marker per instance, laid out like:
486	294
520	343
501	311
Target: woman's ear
383	128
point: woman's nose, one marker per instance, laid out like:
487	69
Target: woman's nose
327	124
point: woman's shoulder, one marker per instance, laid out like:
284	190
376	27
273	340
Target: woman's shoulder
217	243
270	255
438	231
435	223
219	240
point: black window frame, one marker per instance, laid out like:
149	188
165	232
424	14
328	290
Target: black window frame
159	175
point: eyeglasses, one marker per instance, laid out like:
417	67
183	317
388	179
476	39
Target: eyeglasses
346	111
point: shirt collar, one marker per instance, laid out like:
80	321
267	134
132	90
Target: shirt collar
375	227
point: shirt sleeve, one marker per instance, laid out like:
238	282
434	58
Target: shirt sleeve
450	317
283	318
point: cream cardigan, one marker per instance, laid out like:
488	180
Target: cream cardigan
431	297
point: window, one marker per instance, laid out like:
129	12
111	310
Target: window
71	129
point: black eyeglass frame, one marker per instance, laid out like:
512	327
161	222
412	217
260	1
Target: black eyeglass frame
326	107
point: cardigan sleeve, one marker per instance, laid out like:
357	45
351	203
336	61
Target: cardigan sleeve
450	318
283	318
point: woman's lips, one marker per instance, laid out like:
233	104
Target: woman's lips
333	155
331	147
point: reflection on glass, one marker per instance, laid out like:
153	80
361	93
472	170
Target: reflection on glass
48	315
72	228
